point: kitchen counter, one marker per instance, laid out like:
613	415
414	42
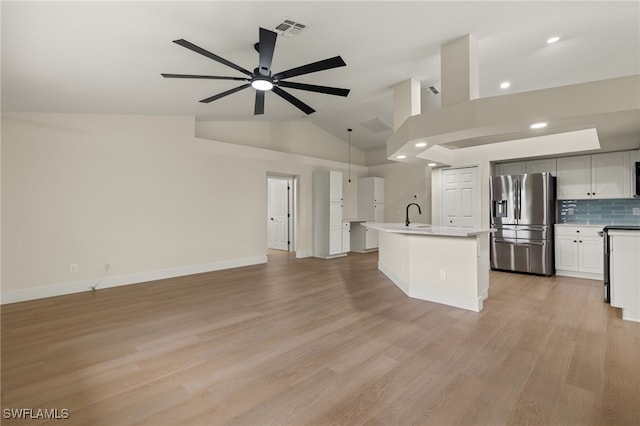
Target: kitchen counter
591	225
443	264
425	229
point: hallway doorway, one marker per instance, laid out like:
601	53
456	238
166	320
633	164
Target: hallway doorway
281	201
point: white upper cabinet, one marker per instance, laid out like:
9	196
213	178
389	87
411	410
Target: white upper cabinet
335	186
547	165
531	166
610	175
371	198
594	176
574	177
514	168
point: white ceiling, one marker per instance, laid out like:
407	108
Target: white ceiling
106	57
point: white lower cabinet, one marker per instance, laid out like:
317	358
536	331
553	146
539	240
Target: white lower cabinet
363	239
346	236
579	251
624	277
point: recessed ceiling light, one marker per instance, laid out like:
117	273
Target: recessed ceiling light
432	164
505	85
538	125
553	39
400	157
421	144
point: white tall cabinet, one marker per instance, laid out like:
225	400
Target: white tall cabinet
370	208
327	205
371	198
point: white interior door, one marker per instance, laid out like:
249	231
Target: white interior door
461	197
278	213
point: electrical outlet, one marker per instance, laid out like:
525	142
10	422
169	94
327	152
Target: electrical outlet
73	268
107	265
443	274
636	211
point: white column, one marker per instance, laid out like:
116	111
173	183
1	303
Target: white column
459	70
406	101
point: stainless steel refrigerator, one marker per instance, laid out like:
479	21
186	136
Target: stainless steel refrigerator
523	214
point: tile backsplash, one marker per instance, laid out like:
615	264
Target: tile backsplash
606	212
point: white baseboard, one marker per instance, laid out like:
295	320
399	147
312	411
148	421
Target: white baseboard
455	300
399	282
302	254
13	296
576	274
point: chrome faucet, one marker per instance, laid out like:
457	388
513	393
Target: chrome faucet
406	222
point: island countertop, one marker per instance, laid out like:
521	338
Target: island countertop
426	229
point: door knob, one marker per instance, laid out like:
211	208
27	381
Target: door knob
271	218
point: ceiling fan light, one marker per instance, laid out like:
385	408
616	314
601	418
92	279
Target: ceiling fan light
260	84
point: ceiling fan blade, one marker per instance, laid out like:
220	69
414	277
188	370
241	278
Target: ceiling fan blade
223	94
266	45
313	88
326	64
293	100
200	50
259	107
208	77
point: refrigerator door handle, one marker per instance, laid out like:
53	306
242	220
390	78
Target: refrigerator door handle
519	192
516	206
531	243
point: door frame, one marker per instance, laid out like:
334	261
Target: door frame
292	181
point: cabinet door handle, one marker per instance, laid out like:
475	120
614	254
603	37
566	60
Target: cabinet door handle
580	241
574	241
588	193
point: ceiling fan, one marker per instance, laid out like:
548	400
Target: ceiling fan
262	79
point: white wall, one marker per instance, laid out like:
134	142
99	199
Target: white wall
401	182
140	192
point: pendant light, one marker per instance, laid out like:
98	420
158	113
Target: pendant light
349	130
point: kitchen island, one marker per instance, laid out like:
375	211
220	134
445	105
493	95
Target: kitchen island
443	264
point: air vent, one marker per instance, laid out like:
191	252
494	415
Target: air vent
290	27
432	90
376	125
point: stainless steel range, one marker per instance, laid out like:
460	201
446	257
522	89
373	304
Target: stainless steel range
523	214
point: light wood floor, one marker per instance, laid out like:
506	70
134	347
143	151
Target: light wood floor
321	342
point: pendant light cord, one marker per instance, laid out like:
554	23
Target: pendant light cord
349	130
